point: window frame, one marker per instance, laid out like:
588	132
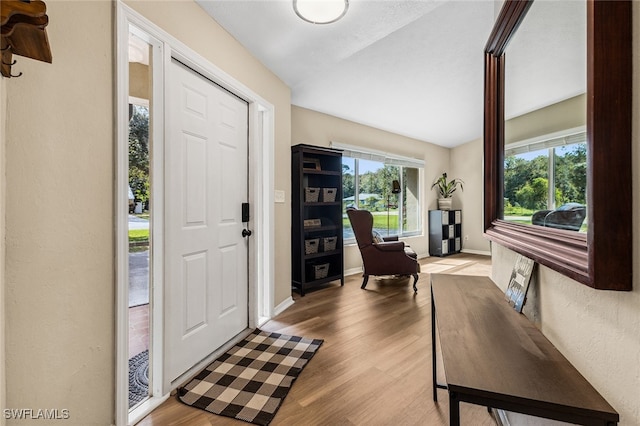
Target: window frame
550	143
356	185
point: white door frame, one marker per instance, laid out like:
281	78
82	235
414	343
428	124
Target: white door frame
261	190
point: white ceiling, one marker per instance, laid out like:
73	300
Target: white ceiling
555	34
415	68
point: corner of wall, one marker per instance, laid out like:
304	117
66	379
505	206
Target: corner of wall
466	164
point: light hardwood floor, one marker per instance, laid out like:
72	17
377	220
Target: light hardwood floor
374	367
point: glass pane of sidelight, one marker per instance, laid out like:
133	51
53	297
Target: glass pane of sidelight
140	116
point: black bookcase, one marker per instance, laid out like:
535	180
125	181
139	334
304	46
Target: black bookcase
445	232
316	217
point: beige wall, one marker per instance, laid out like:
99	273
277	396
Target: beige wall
59	221
564	115
314	128
598	331
198	31
467	164
139	80
3	126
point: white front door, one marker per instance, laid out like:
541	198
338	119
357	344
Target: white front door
206	266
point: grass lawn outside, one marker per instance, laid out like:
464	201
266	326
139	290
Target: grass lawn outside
136	235
379	220
518	211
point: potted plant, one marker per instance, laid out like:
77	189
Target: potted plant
445	190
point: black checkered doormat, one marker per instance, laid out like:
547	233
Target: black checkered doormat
250	381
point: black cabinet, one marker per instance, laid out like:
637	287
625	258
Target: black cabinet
316	217
445	232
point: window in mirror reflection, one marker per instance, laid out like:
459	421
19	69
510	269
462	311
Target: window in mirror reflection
545	182
545	166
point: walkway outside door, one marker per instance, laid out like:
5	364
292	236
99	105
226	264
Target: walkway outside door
206	180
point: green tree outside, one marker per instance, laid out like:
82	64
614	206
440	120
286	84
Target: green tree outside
139	153
526	182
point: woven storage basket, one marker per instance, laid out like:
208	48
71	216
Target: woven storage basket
329	194
329	243
311	195
320	271
311	246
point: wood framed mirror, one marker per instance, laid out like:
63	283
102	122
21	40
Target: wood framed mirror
601	257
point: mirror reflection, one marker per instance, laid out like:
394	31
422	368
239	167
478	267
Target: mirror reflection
545	158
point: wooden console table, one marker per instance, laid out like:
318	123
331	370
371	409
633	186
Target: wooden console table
494	356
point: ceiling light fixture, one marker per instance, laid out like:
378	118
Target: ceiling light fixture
320	11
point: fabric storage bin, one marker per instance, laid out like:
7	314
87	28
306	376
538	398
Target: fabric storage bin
329	194
311	195
329	243
320	271
311	223
311	246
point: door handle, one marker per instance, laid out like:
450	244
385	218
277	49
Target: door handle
246	233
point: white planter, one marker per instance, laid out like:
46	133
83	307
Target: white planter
444	203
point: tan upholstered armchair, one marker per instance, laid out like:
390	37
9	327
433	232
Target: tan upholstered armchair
387	257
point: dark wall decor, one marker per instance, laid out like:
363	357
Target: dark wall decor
23	33
601	258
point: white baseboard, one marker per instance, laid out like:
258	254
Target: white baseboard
353	271
480	252
283	306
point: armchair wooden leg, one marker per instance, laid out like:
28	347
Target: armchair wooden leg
415	280
364	281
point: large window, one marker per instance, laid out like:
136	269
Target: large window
543	176
386	187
